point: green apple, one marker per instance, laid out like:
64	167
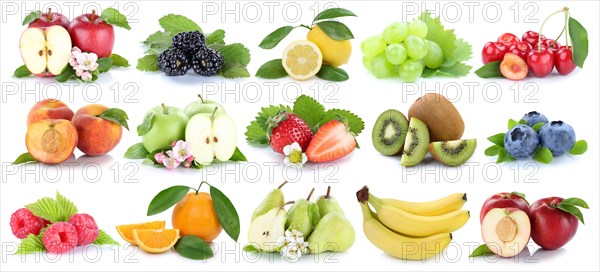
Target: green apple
211	135
202	106
162	126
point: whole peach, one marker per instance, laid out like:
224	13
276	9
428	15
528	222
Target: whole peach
49	109
97	136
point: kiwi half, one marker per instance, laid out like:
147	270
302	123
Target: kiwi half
389	132
453	153
417	141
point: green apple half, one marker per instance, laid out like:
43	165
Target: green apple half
211	135
202	106
167	124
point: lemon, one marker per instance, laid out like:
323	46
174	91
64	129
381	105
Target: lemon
334	52
302	59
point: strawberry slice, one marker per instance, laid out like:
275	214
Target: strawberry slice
331	142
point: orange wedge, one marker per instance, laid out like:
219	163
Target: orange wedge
155	241
126	231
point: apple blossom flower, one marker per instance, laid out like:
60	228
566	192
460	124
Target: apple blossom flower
86	76
293	155
186	164
73	57
87	61
174	143
181	151
170	163
159	157
190	159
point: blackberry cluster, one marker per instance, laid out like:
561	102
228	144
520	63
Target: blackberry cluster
189	51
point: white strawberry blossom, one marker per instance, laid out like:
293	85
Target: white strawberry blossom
293	155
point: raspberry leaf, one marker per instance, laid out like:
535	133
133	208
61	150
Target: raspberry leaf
104	239
148	63
333	13
31	244
273	39
176	24
482	250
497	139
22	72
543	155
226	213
309	110
46	208
579	37
114	17
332	73
579	148
31	17
24	158
67	207
272	69
166	198
118	60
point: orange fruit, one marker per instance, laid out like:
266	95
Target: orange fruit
155	241
126	231
195	215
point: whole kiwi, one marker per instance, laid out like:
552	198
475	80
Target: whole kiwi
441	117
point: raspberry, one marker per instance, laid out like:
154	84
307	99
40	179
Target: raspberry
60	238
174	62
23	223
207	62
87	230
190	42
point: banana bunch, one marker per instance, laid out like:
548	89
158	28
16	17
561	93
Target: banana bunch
412	230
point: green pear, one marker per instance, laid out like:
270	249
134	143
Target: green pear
273	199
334	232
303	216
266	229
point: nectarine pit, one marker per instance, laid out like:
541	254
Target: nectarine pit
507	229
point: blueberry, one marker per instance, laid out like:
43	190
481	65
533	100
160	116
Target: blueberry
521	141
557	136
534	117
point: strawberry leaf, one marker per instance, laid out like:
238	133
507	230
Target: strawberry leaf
355	123
256	132
309	110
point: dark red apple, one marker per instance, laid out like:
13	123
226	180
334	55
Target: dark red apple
504	200
49	19
551	228
92	34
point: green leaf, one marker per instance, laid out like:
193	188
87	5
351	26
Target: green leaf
309	110
271	40
66	206
251	248
538	126
331	73
228	216
167	198
31	244
336	30
238	156
146	125
503	156
522	122
114	17
497	139
22	72
543	155
493	150
481	250
512	123
216	37
272	69
333	13
104	64
579	37
462	52
193	248
117	116
118	61
458	69
522	195
46	208
236	53
176	24
355	123
104	239
148	63
24	158
574	201
136	152
579	148
572	210
234	70
159	37
490	70
436	33
148	161
313	214
31	17
256	132
67	73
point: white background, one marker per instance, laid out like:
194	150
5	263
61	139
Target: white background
117	191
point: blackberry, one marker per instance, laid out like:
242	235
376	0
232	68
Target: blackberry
174	62
190	42
207	62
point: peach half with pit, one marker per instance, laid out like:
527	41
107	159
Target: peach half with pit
51	141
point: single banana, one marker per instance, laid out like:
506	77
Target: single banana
441	206
398	245
418	225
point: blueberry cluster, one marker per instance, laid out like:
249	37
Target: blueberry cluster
189	51
522	140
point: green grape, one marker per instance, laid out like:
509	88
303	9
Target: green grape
381	68
395	53
410	70
372	46
416	48
417	28
395	33
434	57
367	62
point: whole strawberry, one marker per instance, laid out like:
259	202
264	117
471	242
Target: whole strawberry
287	128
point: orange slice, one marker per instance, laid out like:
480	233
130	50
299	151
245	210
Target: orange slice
155	241
126	231
302	60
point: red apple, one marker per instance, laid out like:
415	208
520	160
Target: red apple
551	227
49	19
504	200
49	109
97	136
92	34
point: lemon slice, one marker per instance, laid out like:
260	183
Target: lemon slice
302	59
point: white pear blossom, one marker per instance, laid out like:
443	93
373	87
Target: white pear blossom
292	245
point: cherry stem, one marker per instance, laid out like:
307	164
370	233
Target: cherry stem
310	194
327	195
284	183
165	110
567	16
201	99
539	43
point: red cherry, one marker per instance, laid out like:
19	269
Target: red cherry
508	39
493	51
563	60
552	44
541	62
531	37
520	49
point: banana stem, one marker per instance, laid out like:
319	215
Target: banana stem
363	195
284	183
310	194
